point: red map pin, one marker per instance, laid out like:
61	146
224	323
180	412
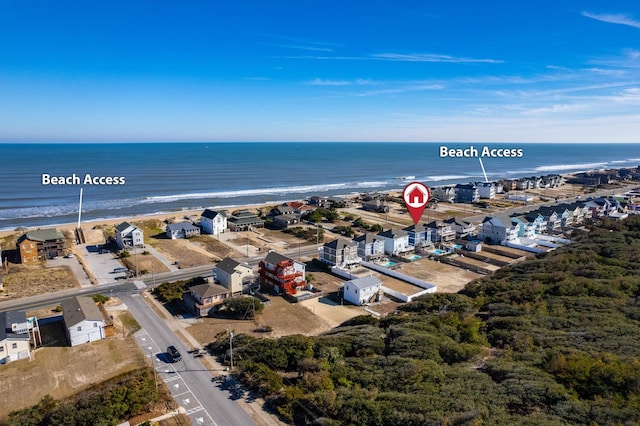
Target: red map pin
416	196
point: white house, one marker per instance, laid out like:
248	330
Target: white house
83	320
462	228
232	274
128	235
396	242
370	246
498	229
182	230
340	252
213	222
363	290
15	339
486	190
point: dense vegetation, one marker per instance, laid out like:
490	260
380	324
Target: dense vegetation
551	341
106	404
168	292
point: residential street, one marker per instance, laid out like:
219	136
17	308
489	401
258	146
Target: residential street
188	380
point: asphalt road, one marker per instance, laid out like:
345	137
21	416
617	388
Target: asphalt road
188	380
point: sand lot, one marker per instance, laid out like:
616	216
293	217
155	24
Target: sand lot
448	278
64	371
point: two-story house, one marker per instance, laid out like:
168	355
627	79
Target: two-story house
441	232
361	291
232	274
213	222
128	235
83	320
461	228
467	193
17	334
182	230
340	252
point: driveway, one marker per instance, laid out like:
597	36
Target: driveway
75	266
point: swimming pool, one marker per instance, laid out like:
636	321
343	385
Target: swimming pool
388	264
457	246
414	257
437	251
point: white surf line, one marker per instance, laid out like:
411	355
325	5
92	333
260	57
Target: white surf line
483	172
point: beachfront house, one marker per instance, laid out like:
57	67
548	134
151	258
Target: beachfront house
42	244
370	246
486	190
182	230
233	275
396	242
444	193
364	290
467	193
283	221
83	320
497	229
128	235
526	229
282	274
204	299
375	205
244	220
213	222
340	252
17	335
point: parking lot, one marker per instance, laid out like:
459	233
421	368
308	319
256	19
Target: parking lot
101	264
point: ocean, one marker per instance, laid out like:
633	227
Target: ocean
168	177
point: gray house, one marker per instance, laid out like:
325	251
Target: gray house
182	230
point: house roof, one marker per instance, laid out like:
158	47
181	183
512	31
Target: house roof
211	214
274	258
208	290
457	221
500	219
436	224
340	243
228	265
182	226
6	320
393	233
123	226
368	238
246	220
365	282
42	235
78	309
285	209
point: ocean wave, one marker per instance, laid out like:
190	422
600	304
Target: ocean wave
447	177
267	191
564	167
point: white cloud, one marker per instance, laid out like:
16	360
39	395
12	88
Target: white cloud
430	57
619	19
324	82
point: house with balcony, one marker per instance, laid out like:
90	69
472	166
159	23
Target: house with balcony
497	230
128	236
418	235
396	242
340	252
233	275
18	334
553	218
361	291
205	299
467	193
244	220
461	228
441	232
84	323
444	193
486	190
370	246
39	245
526	229
536	221
213	222
281	273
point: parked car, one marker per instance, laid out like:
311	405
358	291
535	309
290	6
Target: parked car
174	354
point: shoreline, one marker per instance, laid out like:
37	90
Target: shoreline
180	214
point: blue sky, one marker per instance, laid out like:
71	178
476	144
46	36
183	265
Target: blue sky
204	70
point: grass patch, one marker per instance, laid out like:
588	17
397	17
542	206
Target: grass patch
130	323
